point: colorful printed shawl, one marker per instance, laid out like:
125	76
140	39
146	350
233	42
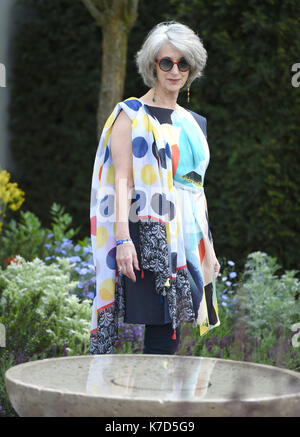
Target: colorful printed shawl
162	226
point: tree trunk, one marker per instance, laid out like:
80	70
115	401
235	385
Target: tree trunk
114	52
116	18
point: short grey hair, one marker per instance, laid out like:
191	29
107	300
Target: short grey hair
179	36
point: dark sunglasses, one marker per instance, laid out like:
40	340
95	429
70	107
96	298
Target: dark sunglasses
166	64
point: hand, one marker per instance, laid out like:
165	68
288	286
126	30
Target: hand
216	266
126	258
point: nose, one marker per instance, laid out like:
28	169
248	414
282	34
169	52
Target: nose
176	68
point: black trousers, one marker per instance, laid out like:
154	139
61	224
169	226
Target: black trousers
158	339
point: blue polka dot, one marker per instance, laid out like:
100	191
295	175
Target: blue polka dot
139	147
106	154
162	158
111	259
106	206
168	151
133	104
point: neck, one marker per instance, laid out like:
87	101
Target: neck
163	98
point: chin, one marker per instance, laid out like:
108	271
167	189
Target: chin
173	87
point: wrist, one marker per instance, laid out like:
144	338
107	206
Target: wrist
123	241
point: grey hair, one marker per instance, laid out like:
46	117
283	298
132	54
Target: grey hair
182	38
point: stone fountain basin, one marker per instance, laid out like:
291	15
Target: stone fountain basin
151	386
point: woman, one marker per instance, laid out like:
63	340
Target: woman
153	251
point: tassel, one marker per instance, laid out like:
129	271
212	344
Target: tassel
142	274
174	335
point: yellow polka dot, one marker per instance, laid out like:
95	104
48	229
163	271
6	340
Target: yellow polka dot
178	227
114	228
101	236
168	233
109	121
148	174
170	180
107	289
149	126
107	135
110	175
134	123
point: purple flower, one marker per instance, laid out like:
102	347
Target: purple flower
64	350
223	342
87	249
231	263
209	345
278	331
232	275
74	259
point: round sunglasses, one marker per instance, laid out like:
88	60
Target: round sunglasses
166	64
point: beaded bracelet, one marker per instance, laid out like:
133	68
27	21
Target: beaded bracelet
127	240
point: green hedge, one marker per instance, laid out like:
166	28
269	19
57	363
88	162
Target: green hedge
253	112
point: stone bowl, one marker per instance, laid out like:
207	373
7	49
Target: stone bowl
143	385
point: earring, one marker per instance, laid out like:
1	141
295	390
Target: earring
153	98
188	91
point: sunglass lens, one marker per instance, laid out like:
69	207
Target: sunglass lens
166	64
183	65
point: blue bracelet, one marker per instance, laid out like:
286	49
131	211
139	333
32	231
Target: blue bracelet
127	240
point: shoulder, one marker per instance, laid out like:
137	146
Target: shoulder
133	103
202	121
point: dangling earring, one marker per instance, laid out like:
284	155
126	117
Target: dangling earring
153	98
188	91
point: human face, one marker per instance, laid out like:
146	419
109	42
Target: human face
173	80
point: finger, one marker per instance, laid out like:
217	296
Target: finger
130	272
135	261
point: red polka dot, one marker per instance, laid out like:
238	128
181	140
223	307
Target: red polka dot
175	158
93	221
201	248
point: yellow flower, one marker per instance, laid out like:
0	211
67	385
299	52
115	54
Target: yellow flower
10	195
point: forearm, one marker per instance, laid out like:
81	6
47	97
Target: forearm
122	206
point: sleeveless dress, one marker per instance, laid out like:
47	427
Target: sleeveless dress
142	304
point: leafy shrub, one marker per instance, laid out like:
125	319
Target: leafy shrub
266	300
37	309
28	238
256	319
80	257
